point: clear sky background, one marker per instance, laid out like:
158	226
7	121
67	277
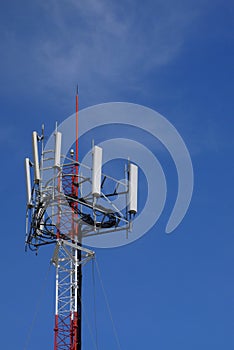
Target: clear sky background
166	292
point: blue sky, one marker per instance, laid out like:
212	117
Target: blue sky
166	291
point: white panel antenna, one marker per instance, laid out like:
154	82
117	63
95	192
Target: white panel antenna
35	157
28	183
96	171
133	187
57	152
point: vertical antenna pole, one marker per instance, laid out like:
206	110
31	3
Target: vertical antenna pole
77	126
78	235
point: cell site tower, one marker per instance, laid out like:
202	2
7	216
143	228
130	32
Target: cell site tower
60	213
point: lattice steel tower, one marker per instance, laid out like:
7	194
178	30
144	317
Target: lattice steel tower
60	213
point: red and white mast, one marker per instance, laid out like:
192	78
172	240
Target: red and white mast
68	305
58	213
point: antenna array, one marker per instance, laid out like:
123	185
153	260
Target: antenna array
64	208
